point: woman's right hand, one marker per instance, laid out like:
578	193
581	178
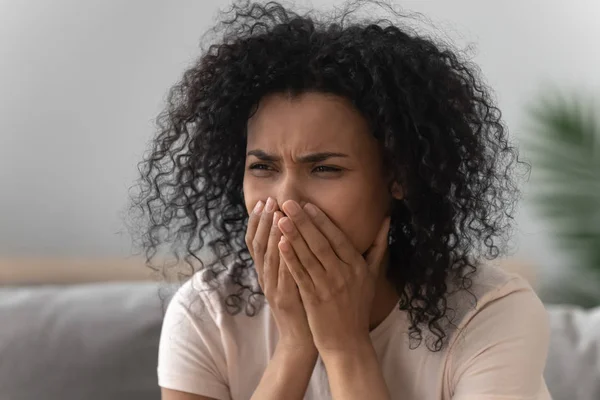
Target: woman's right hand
278	285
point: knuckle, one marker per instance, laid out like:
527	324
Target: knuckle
337	285
318	219
278	303
362	265
281	301
268	293
339	243
271	260
316	299
300	220
266	217
294	232
274	232
257	246
321	248
361	272
269	263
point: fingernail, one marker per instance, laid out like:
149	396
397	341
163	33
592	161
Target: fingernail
276	217
258	207
284	244
270	205
286	225
292	208
310	210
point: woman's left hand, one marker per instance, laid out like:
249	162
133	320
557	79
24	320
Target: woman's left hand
336	283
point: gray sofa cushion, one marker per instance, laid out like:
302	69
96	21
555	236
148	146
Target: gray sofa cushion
91	342
100	341
573	366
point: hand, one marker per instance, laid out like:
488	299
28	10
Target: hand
262	238
336	283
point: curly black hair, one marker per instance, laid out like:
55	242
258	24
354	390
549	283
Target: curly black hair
442	135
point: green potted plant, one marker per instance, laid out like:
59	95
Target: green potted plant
563	147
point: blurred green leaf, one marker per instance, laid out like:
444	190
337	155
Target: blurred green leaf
563	146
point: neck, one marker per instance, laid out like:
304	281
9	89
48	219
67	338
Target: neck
385	299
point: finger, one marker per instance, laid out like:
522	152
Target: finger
300	275
338	241
375	253
317	243
303	253
271	263
285	280
261	237
253	220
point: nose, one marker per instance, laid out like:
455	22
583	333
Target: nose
290	188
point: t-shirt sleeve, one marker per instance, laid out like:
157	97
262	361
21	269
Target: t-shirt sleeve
501	352
191	357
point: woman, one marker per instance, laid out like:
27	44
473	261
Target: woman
350	180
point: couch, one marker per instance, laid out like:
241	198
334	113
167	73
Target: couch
98	341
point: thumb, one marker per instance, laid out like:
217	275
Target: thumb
375	253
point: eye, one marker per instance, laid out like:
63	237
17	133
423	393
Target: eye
259	166
324	168
261	170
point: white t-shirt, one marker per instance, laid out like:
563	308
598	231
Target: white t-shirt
497	353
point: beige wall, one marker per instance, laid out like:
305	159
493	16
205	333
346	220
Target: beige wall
29	270
76	114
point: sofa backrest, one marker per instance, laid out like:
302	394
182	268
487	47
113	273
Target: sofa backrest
100	341
92	342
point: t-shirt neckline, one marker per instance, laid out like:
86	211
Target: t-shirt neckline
389	320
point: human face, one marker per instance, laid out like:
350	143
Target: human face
317	148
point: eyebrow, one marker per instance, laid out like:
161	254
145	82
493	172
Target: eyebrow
308	158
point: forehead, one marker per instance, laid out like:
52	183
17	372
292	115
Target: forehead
308	122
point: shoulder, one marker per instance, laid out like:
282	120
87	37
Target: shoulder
499	306
190	323
491	286
218	301
201	341
502	337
